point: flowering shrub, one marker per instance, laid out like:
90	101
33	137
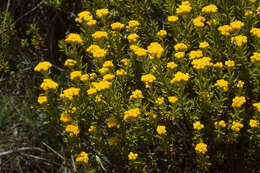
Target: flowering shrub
190	90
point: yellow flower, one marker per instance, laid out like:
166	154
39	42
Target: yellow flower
108	77
253	123
70	93
96	51
92	75
218	65
133	24
257	106
171	65
72	129
225	30
162	33
83	16
92	129
152	114
255	57
255	32
201	148
138	51
180	77
161	130
173	99
210	9
155	50
132	156
113	141
82	157
173	19
180	47
117	26
98	98
65	117
199	21
91	23
132	38
195	54
48	84
201	63
84	77
91	91
236	126
238	101
102	85
159	101
240	84
70	63
101	13
75	75
125	61
179	55
223	84
230	63
220	124
121	72
98	35
137	94
131	113
43	66
212	22
148	79
236	25
108	64
204	45
184	8
73	38
239	40
248	12
42	100
112	122
198	126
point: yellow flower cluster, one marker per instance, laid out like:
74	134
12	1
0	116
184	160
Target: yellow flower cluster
180	47
137	94
108	77
179	55
210	9
218	65
133	24
162	33
131	113
148	79
138	51
204	45
84	77
101	13
225	30
220	124
132	38
257	106
42	100
240	84
173	19
92	129
70	93
222	84
255	57
91	23
184	8
117	26
236	25
238	101
255	32
253	123
70	63
201	148
82	157
72	129
102	85
64	117
239	40
198	126
172	99
83	16
112	122
43	66
179	77
236	126
96	51
195	54
171	65
132	156
73	38
248	12
155	50
98	35
199	21
201	63
48	84
159	101
113	141
91	91
121	72
230	63
75	75
161	130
